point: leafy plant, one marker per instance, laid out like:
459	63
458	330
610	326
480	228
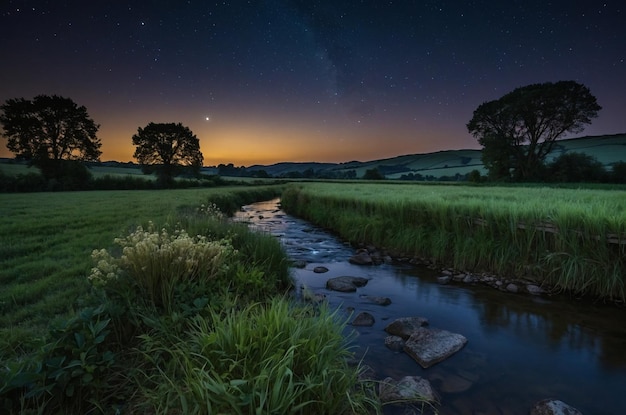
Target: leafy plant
156	261
71	369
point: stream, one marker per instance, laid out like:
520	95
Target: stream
521	348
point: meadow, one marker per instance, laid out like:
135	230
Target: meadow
566	239
150	301
153	302
46	240
12	168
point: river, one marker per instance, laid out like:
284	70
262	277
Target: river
520	349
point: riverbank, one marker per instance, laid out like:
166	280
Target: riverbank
154	302
521	348
365	254
560	240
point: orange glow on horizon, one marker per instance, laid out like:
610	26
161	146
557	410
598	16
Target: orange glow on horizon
265	141
254	142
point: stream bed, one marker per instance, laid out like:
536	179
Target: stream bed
521	348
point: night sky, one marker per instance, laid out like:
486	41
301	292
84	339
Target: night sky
307	80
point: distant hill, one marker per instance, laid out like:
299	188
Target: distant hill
607	149
280	169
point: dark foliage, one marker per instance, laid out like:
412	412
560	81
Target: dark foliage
576	167
474	176
618	172
77	177
169	148
373	174
49	130
518	130
70	370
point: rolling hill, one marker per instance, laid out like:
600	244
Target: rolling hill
607	149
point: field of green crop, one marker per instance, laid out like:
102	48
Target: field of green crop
573	239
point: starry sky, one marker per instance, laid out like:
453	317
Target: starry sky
265	81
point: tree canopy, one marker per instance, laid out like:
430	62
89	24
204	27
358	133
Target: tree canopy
577	167
518	130
373	174
167	147
49	128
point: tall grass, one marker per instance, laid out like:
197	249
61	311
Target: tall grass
264	359
184	314
46	241
571	239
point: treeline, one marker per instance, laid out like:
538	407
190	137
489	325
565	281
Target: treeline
231	170
74	176
571	167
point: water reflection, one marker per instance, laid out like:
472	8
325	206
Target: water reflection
520	349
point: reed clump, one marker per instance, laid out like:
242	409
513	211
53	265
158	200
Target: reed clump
265	358
570	239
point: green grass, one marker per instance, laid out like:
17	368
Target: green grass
152	302
99	171
562	237
266	358
12	168
46	240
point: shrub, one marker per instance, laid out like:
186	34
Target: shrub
576	167
474	176
618	172
28	182
373	174
156	261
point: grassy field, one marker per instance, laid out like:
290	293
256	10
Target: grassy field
46	240
152	302
573	239
11	168
99	171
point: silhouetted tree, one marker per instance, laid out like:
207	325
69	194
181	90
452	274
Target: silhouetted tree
373	174
498	157
576	167
618	172
167	147
474	176
49	130
518	130
262	174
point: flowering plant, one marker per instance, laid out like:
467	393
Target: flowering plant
159	260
